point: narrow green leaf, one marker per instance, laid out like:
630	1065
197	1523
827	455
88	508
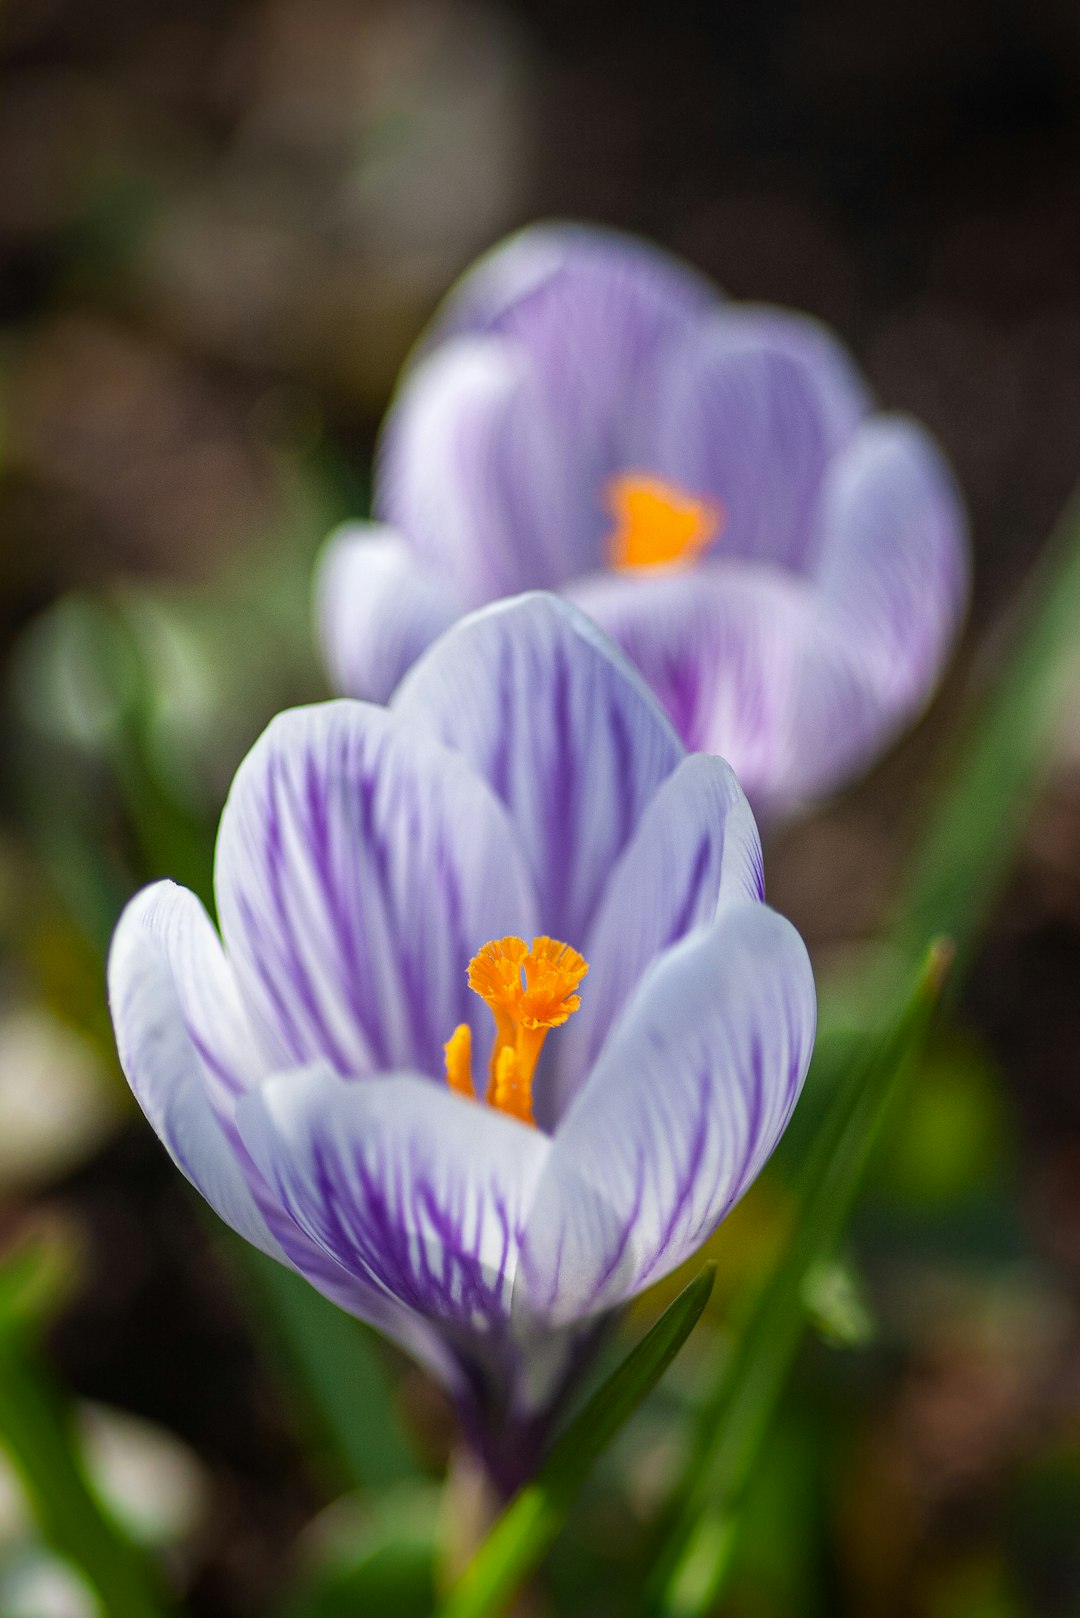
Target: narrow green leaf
993	771
534	1517
700	1528
38	1432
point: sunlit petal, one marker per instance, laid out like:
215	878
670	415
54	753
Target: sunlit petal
358	866
570	740
687	1100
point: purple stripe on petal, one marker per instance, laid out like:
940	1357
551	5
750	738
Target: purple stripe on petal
695	847
359	868
894	565
402	1182
167	976
187	1051
589	293
687	1099
722	647
750	411
550	715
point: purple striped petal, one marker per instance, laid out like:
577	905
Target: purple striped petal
722	648
695	848
891	591
750	411
689	1097
186	1049
593	308
359	867
403	1183
477	468
843	397
838	722
182	1036
569	738
376	609
894	558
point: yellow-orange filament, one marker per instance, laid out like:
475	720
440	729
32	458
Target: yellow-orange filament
458	1050
657	524
529	991
510	1091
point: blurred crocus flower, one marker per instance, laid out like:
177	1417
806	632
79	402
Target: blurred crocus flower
498	1027
709	481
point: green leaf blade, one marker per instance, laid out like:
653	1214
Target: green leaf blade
37	1429
701	1525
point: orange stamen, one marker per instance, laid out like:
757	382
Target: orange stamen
510	1091
458	1050
529	992
657	524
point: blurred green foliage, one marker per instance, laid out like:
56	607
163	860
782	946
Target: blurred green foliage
37	1430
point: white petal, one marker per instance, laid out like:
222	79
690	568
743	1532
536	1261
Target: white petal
179	1030
549	713
359	867
695	848
894	558
723	648
689	1096
751	410
376	609
404	1184
477	467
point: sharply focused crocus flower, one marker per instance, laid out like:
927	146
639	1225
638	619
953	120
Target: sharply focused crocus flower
498	1026
708	481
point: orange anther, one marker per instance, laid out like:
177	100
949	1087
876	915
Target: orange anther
657	524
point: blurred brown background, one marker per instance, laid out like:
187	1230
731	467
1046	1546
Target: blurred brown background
221	227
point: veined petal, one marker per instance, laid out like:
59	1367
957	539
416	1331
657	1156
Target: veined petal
894	558
843	396
750	411
591	306
480	468
359	865
696	847
687	1100
838	722
187	1051
722	648
376	609
180	1029
546	711
402	1183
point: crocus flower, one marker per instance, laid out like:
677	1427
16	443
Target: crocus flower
497	1027
708	480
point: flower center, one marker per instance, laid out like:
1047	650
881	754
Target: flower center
657	524
529	991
